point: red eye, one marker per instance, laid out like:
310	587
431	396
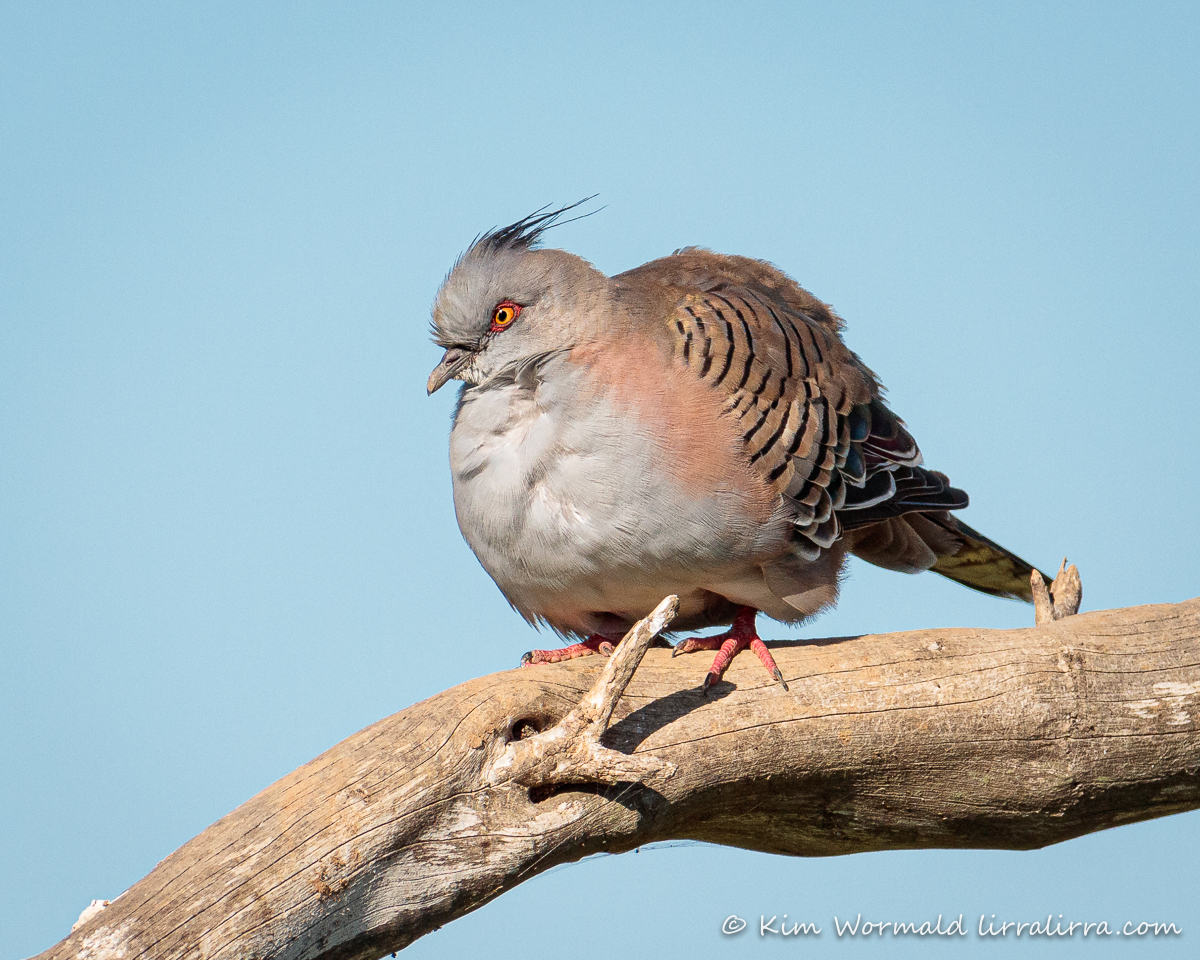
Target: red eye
505	313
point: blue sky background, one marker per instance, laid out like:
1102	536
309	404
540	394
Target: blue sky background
226	534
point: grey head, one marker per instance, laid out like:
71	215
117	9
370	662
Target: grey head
508	303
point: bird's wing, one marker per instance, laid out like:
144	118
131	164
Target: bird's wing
809	411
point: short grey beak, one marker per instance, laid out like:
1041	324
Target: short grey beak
453	360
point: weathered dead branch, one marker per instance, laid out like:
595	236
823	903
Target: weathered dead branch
946	738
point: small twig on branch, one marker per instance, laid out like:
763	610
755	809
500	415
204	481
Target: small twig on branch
570	751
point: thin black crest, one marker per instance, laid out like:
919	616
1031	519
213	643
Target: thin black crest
527	232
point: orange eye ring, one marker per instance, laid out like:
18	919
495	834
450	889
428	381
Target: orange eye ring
505	313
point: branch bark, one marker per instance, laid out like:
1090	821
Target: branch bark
943	738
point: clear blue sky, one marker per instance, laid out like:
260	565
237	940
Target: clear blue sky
226	535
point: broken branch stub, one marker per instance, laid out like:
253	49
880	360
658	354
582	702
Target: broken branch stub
1061	599
570	751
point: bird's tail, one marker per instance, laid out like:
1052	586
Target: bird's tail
938	541
983	564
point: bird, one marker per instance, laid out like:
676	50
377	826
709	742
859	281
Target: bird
694	426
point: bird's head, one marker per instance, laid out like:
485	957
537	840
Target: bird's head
507	302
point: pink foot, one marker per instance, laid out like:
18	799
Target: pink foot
593	644
730	643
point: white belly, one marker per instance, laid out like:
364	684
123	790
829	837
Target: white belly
566	501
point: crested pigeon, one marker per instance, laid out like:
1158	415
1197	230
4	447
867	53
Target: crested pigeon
694	426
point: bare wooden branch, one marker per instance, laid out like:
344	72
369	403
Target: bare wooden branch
949	738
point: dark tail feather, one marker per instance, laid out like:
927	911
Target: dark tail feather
983	564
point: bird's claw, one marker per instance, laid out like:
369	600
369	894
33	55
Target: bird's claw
740	636
593	644
692	644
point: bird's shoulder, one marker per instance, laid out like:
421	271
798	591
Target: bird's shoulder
695	295
697	270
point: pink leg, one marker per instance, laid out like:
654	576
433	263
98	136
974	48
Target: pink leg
593	644
733	641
